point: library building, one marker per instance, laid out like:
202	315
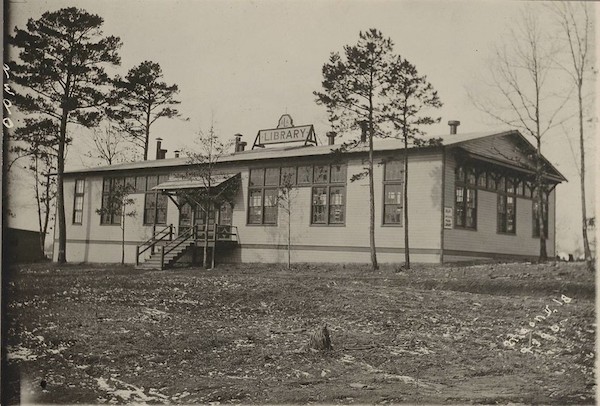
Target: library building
470	198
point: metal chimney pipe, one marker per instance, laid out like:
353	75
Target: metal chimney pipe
331	136
364	128
238	141
158	149
453	126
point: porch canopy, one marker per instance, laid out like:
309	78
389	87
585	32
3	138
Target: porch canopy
196	190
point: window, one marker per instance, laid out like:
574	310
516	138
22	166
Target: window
319	205
305	175
288	175
329	194
262	199
536	226
155	203
78	201
112	216
392	192
465	198
507	202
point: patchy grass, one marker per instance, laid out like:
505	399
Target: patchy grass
238	334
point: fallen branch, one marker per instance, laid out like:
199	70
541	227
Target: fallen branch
300	330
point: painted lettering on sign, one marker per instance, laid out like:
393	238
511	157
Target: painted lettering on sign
284	134
448	217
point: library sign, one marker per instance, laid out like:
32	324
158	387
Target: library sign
286	132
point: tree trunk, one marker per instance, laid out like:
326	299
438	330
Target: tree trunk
406	244
374	263
540	196
60	196
586	244
147	134
123	234
289	242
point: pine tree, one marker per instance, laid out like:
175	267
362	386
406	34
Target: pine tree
354	95
411	96
59	75
139	100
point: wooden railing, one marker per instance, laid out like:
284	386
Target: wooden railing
184	237
158	236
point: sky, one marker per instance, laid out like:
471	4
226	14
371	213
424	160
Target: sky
242	64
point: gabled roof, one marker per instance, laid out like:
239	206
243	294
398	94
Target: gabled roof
298	151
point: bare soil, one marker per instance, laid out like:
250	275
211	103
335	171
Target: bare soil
238	334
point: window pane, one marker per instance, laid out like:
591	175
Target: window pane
257	177
255	198
272	176
151	181
79	186
321	174
482	180
510	185
336	205
392	214
78	217
491	181
471	178
106	185
460	174
288	176
338	173
304	175
255	215
394	170
78	203
393	194
149	216
319	205
471	198
130	182
140	183
270	197
500	184
459	194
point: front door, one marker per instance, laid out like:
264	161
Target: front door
200	216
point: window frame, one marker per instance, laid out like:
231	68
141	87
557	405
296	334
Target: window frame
503	196
156	195
261	189
75	196
393	182
112	180
461	182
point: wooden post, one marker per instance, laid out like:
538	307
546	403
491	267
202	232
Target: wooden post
162	258
137	255
170	232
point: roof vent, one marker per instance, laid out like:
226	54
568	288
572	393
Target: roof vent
453	126
240	145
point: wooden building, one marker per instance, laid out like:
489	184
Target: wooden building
469	198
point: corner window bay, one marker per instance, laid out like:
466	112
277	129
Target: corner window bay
327	183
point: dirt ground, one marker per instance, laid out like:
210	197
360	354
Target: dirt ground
434	334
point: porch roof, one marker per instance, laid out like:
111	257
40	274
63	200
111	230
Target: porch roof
178	184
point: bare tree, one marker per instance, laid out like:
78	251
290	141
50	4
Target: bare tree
288	191
523	95
32	141
574	19
109	146
211	192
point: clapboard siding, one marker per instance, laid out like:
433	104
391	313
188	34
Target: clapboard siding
94	242
486	238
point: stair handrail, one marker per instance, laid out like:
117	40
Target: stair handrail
152	241
181	238
227	230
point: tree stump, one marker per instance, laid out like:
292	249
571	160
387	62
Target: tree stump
320	340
